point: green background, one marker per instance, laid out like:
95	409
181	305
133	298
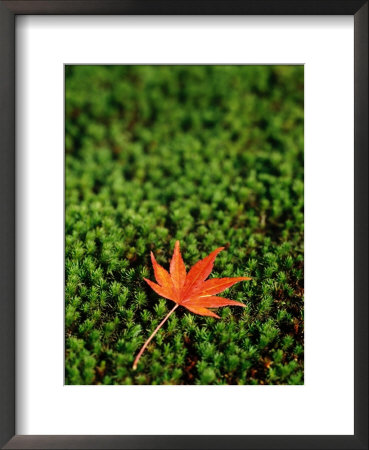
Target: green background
209	155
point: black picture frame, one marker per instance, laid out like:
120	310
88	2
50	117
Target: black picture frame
8	12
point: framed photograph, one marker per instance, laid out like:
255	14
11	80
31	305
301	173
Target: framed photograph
184	224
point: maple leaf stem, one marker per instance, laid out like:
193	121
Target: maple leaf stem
152	335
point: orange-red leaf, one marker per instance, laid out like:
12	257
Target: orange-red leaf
177	269
160	290
198	273
190	289
202	311
161	275
216	285
211	302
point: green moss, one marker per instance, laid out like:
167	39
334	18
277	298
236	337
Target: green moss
209	155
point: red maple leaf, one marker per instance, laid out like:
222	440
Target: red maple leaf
190	289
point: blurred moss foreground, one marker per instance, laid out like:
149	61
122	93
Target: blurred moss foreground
209	155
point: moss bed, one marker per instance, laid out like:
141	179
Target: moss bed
209	155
